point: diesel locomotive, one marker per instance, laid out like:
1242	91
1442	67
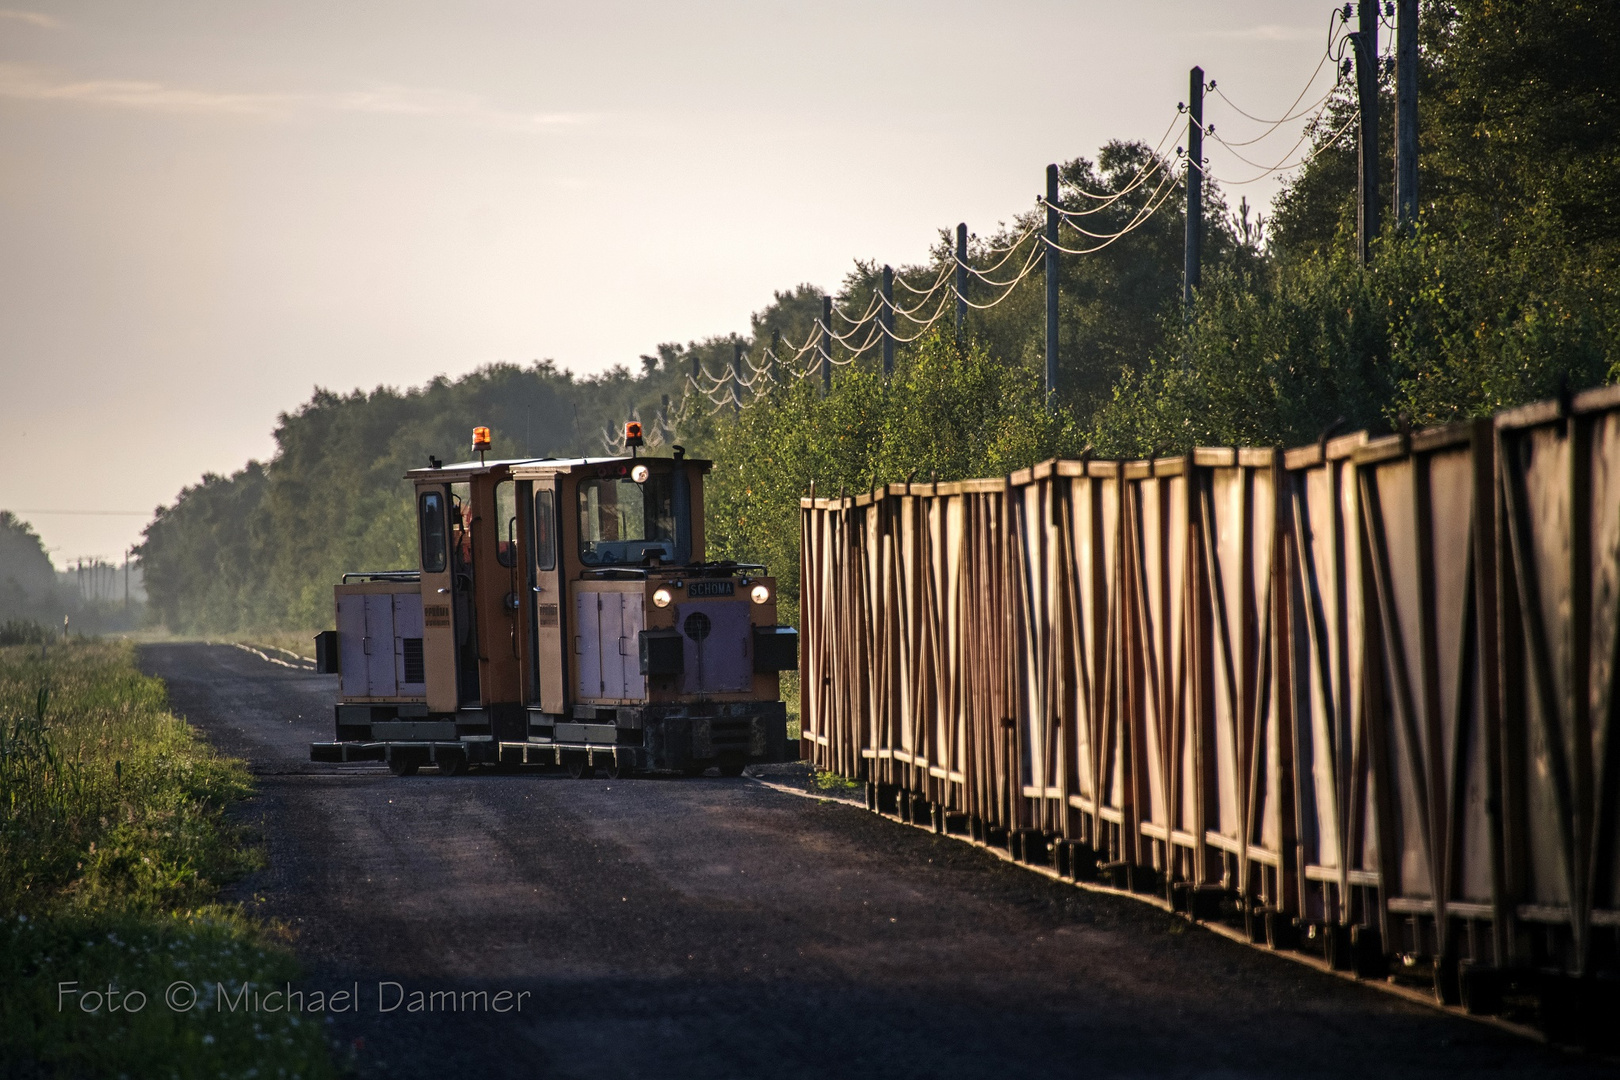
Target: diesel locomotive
562	612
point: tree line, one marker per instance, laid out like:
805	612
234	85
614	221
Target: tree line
1506	292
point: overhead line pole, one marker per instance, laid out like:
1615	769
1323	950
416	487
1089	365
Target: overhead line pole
961	278
824	344
1406	116
1193	268
1051	285
736	377
886	320
1366	46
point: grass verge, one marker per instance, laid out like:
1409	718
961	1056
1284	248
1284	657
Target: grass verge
113	845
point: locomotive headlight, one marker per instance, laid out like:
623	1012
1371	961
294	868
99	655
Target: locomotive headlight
760	594
640	473
662	597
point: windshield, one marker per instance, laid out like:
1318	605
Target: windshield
623	522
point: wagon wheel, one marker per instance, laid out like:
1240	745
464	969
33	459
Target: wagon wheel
580	769
694	770
401	765
733	768
452	765
612	769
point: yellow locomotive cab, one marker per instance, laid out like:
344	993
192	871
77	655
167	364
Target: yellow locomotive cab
562	613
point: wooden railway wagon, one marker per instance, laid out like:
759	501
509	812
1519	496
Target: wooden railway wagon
562	613
1356	699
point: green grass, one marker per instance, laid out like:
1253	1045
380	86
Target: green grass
831	781
114	842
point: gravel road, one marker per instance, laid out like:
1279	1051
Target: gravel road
718	928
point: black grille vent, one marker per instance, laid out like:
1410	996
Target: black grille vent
415	669
730	733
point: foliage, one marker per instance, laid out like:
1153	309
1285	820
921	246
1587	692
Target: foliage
113	843
831	781
200	557
1518	123
1438	329
27	578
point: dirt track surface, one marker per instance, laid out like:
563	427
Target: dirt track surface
717	928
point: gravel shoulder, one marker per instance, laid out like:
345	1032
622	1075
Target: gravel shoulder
720	928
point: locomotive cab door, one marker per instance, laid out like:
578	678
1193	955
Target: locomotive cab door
464	596
438	629
546	615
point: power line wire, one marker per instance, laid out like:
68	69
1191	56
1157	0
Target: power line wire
1149	211
1285	164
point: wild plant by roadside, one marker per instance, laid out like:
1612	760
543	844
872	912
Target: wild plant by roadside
114	842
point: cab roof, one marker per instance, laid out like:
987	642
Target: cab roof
539	466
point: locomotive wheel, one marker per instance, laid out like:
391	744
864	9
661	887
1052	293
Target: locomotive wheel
452	765
694	770
732	769
580	769
401	765
612	770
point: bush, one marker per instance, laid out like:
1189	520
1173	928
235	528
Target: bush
1441	327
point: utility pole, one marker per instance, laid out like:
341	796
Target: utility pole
886	321
1193	271
824	346
1051	285
776	347
1406	116
736	377
961	279
1366	45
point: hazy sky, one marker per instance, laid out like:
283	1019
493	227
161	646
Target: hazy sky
208	209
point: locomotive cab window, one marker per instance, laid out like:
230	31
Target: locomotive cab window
461	518
434	548
545	529
622	522
506	522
